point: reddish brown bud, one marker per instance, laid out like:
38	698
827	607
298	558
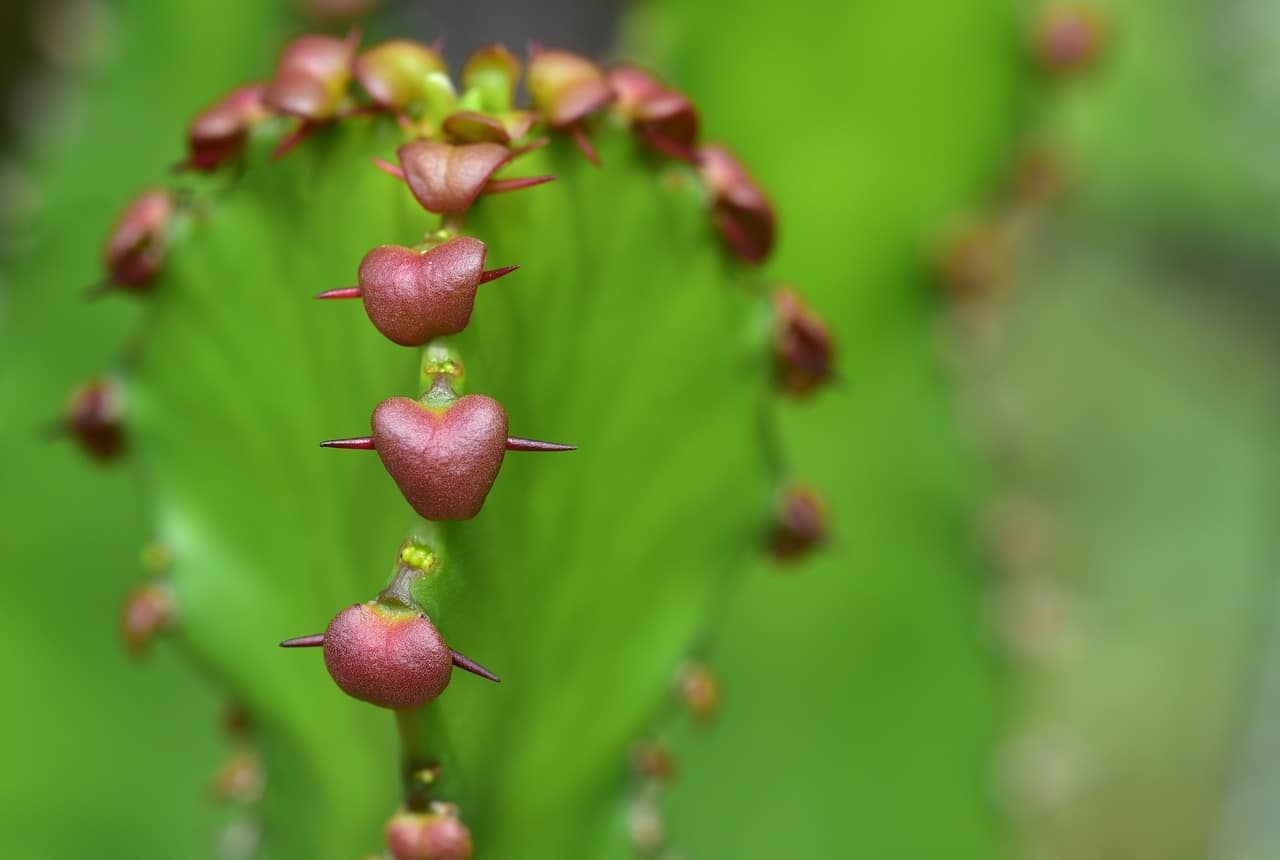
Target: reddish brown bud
92	417
137	245
565	87
740	210
802	344
1068	37
976	260
444	459
392	658
398	74
447	179
311	78
240	779
434	835
654	760
412	297
147	612
665	120
801	523
699	691
218	132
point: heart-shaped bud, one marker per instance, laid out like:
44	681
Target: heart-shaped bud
311	78
218	132
698	691
665	120
491	74
444	459
565	87
387	656
93	418
147	612
403	76
473	127
740	210
435	835
137	245
803	346
801	523
1068	37
447	179
412	297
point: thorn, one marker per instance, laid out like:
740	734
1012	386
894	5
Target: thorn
360	443
389	168
493	274
468	665
313	641
515	443
342	293
536	143
291	140
583	143
500	186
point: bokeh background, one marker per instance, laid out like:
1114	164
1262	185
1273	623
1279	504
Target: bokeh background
1046	627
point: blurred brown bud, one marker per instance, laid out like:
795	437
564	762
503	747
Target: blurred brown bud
137	245
698	691
801	525
148	611
804	350
93	418
741	211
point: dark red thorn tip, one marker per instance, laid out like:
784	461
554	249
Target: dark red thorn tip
291	140
500	186
583	143
468	665
494	274
341	293
359	443
313	641
535	144
389	168
515	443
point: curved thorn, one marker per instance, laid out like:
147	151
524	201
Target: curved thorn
516	443
359	443
494	274
291	140
500	186
467	664
341	293
580	140
313	641
389	168
536	143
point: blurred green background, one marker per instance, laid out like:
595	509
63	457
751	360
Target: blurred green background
1045	628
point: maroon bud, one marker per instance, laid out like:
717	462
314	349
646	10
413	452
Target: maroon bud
976	260
412	297
654	760
740	210
565	87
240	779
1068	37
147	612
218	132
434	835
397	74
137	245
447	179
665	120
444	459
311	78
801	523
802	344
389	657
699	691
92	417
